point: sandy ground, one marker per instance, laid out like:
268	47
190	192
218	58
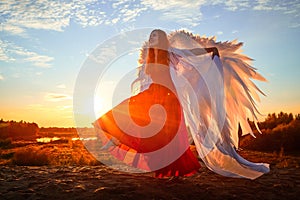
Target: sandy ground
102	182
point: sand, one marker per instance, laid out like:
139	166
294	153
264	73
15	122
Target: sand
102	182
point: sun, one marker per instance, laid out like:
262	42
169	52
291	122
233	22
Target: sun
100	106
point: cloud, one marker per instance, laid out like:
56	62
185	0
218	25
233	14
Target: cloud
295	25
1	77
262	5
38	73
66	108
62	86
55	97
16	75
43	14
88	13
39	60
234	5
18	17
186	12
220	33
11	52
104	54
4	46
57	15
259	5
12	29
128	11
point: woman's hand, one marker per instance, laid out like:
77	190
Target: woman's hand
215	52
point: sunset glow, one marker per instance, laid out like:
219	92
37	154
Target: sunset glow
41	53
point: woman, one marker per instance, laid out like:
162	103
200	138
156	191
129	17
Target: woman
156	137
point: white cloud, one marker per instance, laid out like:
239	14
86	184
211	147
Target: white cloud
168	4
55	97
295	25
39	60
56	15
11	52
61	86
65	108
240	4
261	6
186	12
1	77
220	33
3	51
88	13
16	75
115	20
42	14
104	54
12	29
38	73
17	17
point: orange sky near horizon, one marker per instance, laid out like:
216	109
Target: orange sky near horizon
62	116
43	45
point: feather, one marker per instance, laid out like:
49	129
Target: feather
217	97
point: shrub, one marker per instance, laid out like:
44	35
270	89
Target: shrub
5	143
283	136
6	156
32	156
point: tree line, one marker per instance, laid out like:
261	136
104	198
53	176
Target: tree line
18	130
279	132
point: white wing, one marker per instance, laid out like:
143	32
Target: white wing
241	94
216	96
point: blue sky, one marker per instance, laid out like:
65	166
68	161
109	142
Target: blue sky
43	45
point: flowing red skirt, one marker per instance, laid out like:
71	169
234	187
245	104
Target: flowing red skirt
158	143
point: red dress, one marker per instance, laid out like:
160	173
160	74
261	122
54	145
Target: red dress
167	152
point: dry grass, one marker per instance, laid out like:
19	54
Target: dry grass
64	153
32	156
277	159
5	143
73	153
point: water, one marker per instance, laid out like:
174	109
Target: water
51	139
47	139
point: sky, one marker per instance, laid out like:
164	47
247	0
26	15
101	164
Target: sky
43	45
